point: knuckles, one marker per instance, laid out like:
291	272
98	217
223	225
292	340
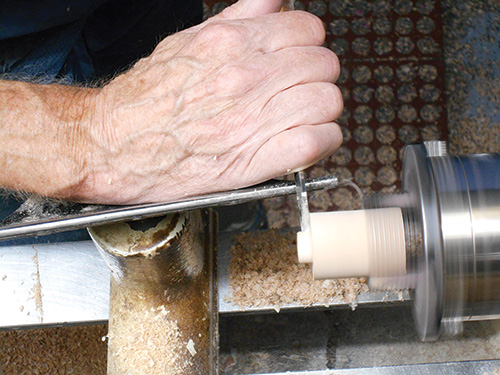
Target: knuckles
313	24
309	146
235	79
225	35
328	101
336	65
312	146
331	63
337	102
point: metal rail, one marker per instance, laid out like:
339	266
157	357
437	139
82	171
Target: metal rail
488	367
68	283
41	216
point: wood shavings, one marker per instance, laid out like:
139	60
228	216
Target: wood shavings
37	287
160	320
48	351
190	347
264	271
144	338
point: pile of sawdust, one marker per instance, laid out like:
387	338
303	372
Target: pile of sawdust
264	271
64	350
144	339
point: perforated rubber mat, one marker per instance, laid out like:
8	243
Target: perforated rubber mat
392	81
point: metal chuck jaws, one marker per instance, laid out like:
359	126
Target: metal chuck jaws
439	237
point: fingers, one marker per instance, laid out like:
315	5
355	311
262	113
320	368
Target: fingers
313	103
267	75
295	148
298	65
267	33
249	9
247	27
282	30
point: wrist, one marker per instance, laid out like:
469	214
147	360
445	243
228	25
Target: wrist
82	117
72	119
44	139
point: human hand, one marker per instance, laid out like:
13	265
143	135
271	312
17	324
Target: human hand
246	96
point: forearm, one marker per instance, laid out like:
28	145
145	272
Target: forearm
44	135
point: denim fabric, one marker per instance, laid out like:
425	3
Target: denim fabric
85	40
36	37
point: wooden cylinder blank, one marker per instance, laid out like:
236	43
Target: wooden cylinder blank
362	243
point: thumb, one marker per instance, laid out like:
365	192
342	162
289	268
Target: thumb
249	9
